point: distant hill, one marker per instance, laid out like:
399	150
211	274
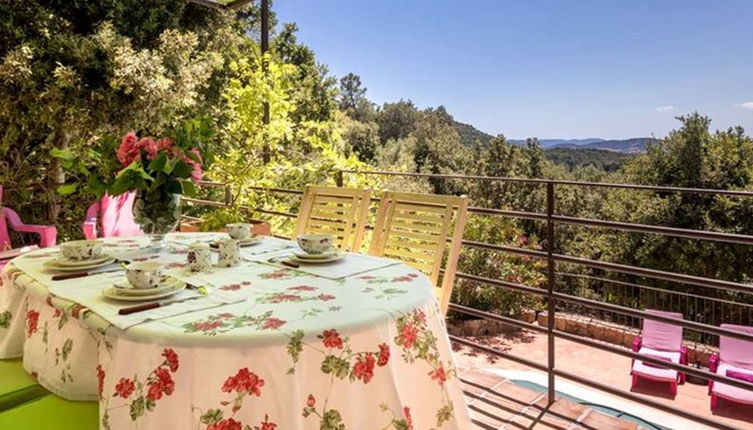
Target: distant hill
576	157
469	135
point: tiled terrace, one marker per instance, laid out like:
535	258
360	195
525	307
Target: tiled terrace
497	403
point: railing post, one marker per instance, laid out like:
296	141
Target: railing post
550	289
228	196
339	178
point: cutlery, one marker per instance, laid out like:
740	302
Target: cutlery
75	275
284	262
154	305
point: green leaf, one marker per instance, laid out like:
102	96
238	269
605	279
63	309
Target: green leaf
182	169
189	188
67	189
159	163
62	154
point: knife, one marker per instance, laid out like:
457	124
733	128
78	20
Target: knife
154	305
65	276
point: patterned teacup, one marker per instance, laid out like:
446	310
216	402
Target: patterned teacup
239	230
81	249
229	252
315	243
199	257
143	275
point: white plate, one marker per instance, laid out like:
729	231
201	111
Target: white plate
245	242
303	255
115	293
335	257
55	265
125	288
64	262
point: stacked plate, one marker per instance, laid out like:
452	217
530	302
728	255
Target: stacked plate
325	257
63	264
124	291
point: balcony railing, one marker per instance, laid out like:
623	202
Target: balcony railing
714	310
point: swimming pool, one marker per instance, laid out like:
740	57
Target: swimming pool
601	408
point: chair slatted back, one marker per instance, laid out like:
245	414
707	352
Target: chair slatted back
415	229
340	212
4	236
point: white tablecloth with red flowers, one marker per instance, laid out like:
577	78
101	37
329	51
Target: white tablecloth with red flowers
296	352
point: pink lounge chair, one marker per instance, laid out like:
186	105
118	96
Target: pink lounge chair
659	339
47	234
736	355
111	216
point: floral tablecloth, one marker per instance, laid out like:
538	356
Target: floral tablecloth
298	352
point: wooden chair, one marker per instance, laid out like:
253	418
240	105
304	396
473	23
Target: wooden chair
340	212
415	228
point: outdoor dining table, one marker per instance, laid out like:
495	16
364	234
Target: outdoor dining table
357	344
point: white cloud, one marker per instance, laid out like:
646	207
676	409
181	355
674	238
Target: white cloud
745	105
665	109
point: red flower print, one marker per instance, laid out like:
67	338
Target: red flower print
439	375
409	335
100	379
231	287
303	288
76	310
225	315
32	320
384	354
421	315
273	323
364	367
408	418
331	339
172	359
162	383
207	325
57	314
311	401
244	381
124	388
226	424
325	297
266	425
282	297
246	283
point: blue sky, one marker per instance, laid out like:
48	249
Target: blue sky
544	68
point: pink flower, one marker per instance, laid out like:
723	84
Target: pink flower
165	144
244	381
100	379
32	320
311	401
439	375
129	150
150	147
273	323
384	354
325	297
409	334
226	424
408	418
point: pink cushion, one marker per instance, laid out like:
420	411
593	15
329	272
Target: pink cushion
658	357
747	377
116	216
729	392
660	335
656	373
737	352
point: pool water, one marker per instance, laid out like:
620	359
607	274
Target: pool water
601	408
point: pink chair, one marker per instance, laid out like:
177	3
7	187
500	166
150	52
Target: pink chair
111	216
47	234
663	341
734	355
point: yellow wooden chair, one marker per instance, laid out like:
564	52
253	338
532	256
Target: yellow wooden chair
340	212
415	228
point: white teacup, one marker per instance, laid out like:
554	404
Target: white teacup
315	243
81	249
239	230
143	275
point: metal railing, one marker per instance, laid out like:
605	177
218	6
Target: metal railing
553	298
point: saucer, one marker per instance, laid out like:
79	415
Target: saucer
330	257
115	293
303	255
125	288
253	240
64	265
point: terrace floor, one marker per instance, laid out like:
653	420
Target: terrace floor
507	395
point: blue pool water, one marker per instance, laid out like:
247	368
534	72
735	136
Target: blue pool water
601	408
